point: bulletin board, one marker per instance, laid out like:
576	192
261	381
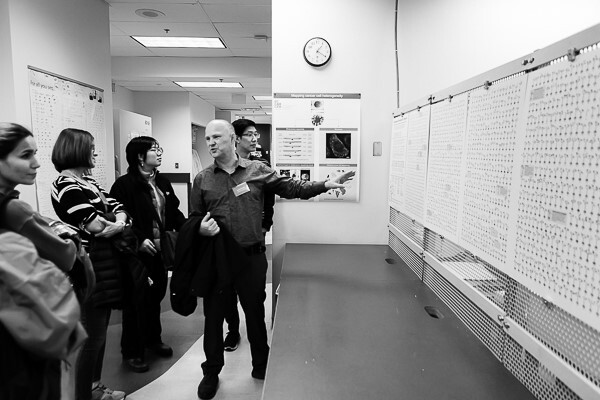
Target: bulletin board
58	103
317	137
513	176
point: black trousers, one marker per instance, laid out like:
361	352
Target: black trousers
250	287
141	317
232	315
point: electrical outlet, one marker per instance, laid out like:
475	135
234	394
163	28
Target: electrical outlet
176	165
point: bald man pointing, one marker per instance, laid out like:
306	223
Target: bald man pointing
230	194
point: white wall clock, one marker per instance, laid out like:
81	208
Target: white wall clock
317	52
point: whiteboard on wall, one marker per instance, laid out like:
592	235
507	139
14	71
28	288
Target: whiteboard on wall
58	103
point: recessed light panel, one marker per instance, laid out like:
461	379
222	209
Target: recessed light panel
210	84
180	41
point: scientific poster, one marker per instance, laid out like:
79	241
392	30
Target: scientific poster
317	137
58	103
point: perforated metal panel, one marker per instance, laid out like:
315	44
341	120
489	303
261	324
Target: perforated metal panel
569	338
411	228
478	322
479	274
533	375
407	255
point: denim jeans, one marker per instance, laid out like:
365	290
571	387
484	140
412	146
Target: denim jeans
88	368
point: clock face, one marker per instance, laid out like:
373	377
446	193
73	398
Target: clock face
317	52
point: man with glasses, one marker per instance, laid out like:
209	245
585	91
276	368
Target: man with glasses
230	194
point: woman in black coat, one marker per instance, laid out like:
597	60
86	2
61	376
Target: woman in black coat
150	200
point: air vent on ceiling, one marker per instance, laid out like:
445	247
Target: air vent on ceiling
149	13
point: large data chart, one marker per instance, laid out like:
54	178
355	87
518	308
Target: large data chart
416	163
558	223
490	151
398	163
445	166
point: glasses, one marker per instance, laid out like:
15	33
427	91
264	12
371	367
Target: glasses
158	150
251	134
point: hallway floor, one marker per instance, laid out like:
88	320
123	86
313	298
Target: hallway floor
178	377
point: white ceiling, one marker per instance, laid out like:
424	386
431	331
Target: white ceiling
245	59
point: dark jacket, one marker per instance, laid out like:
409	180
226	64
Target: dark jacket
267	220
203	264
134	193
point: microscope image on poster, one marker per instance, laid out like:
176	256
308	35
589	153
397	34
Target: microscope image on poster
338	145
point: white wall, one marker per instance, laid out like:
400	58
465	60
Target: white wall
201	111
65	37
7	103
441	43
171	126
361	34
123	99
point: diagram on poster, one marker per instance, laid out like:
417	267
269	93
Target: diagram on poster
317	137
58	103
349	192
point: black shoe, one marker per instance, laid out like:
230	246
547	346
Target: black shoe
208	386
259	372
161	350
136	364
231	342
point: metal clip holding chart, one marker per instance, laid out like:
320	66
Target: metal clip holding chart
487	84
572	54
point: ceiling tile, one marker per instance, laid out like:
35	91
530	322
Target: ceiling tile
242	2
263	53
155	88
115	31
238	13
126	46
159	81
173	12
243	30
153	1
247	43
201	29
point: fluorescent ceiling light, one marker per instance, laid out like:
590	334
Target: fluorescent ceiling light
180	41
210	84
263	98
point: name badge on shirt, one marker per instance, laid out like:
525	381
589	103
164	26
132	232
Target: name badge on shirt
241	189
